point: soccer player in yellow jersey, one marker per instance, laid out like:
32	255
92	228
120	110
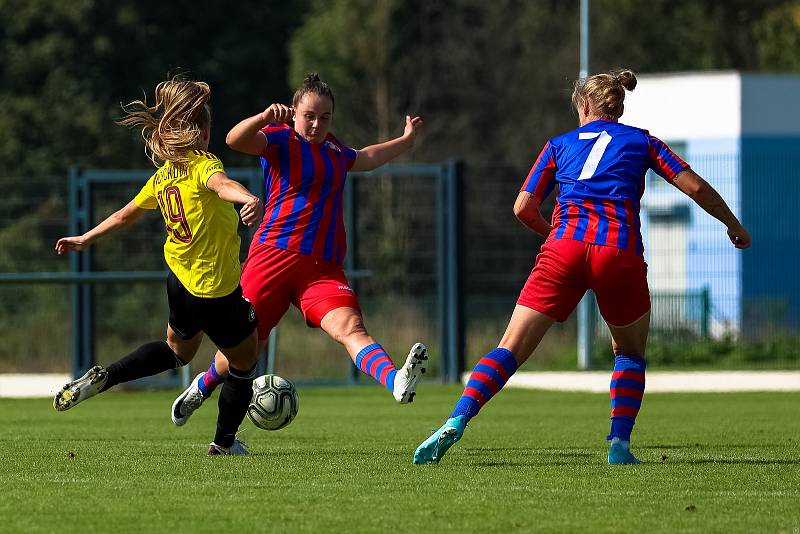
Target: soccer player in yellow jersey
202	252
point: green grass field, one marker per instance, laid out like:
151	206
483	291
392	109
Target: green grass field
532	461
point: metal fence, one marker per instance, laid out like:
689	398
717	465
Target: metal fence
713	307
112	301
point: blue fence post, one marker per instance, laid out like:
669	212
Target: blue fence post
442	270
706	311
455	317
86	257
586	328
272	352
587	305
75	267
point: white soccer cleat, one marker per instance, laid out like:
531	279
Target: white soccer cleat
405	381
239	448
81	389
187	402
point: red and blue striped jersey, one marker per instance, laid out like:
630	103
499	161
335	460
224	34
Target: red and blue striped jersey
600	170
304	185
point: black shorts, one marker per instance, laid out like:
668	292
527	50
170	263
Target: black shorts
227	320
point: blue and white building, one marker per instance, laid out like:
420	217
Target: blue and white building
741	132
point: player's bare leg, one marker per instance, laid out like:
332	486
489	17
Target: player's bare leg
524	332
346	326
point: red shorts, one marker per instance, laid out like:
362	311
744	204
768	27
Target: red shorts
565	269
273	278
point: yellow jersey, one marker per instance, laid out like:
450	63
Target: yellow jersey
202	246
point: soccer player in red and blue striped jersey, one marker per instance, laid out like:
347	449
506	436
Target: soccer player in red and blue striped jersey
593	243
606	162
297	253
304	205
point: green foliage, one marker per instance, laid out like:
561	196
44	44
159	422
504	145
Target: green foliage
772	351
530	462
491	79
67	66
778	35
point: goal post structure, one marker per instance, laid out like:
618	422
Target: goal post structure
82	277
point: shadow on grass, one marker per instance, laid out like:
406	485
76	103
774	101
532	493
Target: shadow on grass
703	446
544	456
736	461
571	460
533	457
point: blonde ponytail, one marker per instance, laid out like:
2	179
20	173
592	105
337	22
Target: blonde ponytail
175	124
605	92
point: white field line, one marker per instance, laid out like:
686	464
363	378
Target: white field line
46	385
661	381
31	385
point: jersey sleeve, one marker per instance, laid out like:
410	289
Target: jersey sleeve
350	155
541	178
146	198
275	133
663	160
209	165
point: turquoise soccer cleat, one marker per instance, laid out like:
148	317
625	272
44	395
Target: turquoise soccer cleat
432	449
619	454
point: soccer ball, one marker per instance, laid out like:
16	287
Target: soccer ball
274	403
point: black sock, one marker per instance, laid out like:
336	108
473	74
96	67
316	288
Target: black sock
233	402
148	360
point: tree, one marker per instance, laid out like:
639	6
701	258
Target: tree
66	66
778	34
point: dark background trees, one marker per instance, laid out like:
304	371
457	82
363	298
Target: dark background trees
491	79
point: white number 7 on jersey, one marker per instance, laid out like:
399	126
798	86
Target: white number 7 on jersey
596	154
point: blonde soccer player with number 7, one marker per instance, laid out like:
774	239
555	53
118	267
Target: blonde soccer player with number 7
592	243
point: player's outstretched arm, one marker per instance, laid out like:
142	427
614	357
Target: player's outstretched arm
124	217
232	191
692	185
526	208
246	136
374	156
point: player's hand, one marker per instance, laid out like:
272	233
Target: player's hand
739	237
252	212
278	114
413	126
66	244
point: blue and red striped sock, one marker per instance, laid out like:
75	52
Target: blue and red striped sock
374	361
488	377
627	389
210	380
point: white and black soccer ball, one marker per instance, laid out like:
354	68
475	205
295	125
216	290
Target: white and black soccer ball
274	403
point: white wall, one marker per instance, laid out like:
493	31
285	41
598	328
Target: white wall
684	106
714	105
